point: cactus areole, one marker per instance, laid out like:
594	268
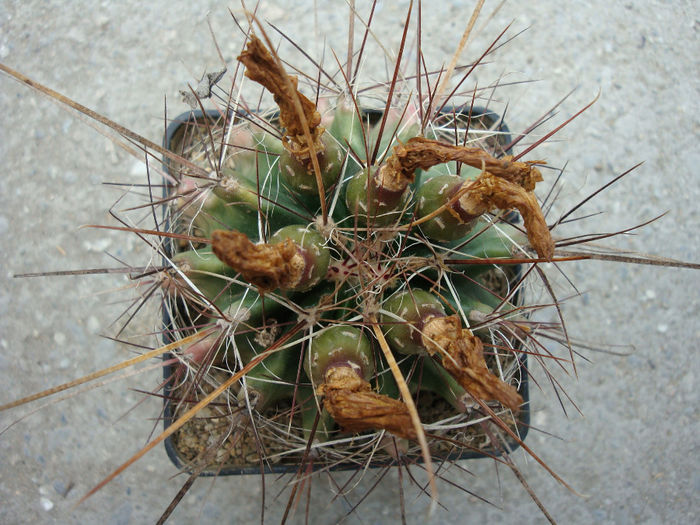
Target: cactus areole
298	233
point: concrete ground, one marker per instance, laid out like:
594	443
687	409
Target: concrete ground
633	455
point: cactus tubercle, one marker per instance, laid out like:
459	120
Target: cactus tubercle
424	328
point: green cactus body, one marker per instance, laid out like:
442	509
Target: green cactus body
300	180
316	255
339	346
208	274
434	194
347	126
288	264
271	380
215	214
310	410
254	182
430	376
252	321
406	313
370	204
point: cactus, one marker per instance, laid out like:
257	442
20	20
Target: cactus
323	229
341	284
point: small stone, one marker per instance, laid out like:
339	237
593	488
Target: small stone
122	515
46	503
663	328
221	455
59	338
650	294
60	487
93	324
99	245
102	21
138	169
599	515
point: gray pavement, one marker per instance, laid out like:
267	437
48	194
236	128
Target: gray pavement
632	456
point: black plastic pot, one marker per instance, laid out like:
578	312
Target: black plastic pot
175	132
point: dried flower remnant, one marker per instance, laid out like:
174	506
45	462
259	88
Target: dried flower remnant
488	192
351	402
423	153
415	323
267	266
503	184
462	356
339	362
262	68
